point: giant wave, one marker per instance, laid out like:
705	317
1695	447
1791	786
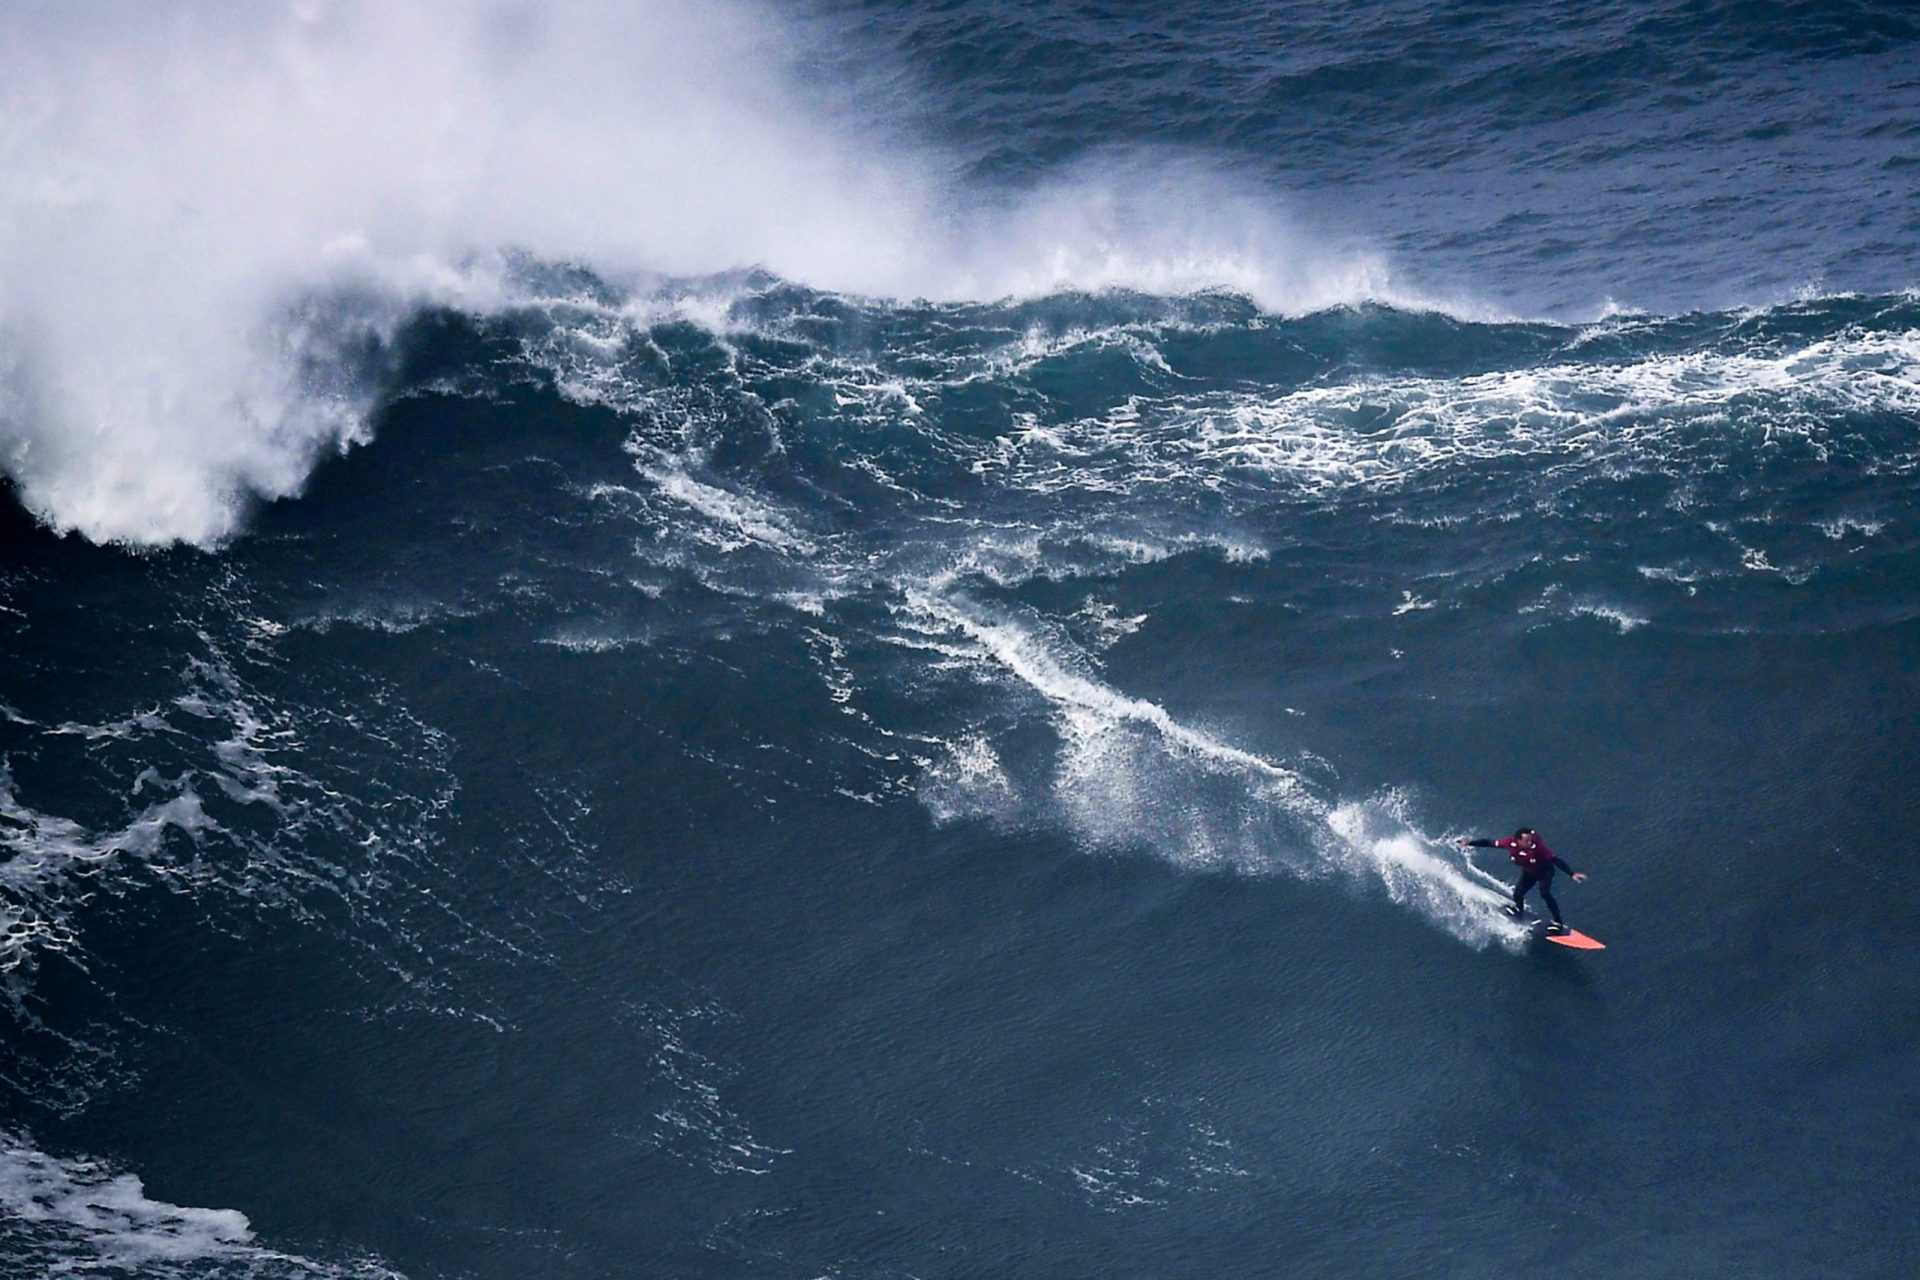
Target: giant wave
218	216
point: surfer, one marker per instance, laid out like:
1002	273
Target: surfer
1537	864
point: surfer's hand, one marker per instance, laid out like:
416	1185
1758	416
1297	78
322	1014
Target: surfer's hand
1579	877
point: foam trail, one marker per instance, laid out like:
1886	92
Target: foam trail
1119	788
1023	654
216	216
1376	840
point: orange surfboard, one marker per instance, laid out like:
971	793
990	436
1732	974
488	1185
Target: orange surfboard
1571	938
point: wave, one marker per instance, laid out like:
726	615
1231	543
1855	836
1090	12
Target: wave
217	217
1127	773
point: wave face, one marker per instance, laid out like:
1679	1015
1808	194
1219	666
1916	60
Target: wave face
683	640
1081	649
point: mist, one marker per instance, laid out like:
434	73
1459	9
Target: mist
212	213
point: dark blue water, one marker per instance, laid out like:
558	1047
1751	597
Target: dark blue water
1541	157
730	774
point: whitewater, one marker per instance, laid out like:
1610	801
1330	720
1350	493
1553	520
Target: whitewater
220	217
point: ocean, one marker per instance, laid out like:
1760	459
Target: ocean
855	639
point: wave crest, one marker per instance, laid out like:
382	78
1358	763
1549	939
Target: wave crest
193	188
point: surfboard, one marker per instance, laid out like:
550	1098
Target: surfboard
1571	938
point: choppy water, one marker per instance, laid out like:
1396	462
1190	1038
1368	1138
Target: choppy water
870	665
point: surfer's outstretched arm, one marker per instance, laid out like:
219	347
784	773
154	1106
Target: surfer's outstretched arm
1579	877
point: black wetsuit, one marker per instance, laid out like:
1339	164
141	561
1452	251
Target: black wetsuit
1537	866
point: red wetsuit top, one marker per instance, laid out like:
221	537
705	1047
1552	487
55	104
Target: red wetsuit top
1537	858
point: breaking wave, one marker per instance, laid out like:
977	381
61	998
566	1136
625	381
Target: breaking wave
217	218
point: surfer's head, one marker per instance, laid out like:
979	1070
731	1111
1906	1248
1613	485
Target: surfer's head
1525	835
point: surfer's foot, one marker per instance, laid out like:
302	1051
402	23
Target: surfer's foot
1557	927
1513	911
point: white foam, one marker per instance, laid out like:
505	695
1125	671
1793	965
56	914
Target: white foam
1386	433
589	640
1622	621
79	1216
1685	577
1557	601
1026	656
84	1211
1418	871
50	857
967	780
1131	774
393	616
1108	624
214	210
737	519
1840	526
1756	560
